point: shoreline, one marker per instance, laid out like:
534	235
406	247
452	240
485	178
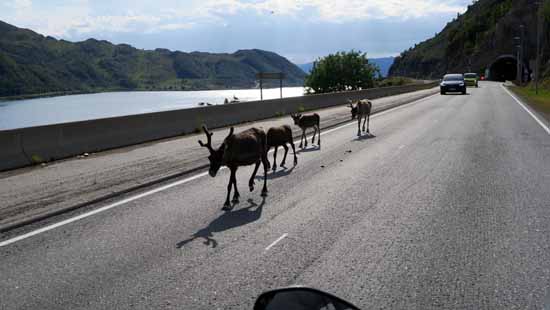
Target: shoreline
111	90
43	95
89	92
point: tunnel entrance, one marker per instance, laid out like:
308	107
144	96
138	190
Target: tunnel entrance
503	68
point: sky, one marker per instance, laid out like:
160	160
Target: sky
301	30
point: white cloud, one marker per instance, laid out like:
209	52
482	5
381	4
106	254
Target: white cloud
19	4
117	23
331	11
379	9
173	26
83	16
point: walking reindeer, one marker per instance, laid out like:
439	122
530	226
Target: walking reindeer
245	148
305	122
361	110
280	136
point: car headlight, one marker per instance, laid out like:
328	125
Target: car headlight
461	84
442	84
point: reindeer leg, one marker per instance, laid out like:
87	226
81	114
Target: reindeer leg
305	136
294	152
251	181
284	157
368	120
275	158
314	133
319	137
265	163
227	205
364	121
236	195
301	138
358	126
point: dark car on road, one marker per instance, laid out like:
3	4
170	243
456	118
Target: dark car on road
453	83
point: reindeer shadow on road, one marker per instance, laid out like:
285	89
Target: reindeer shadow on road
364	137
310	149
226	221
279	173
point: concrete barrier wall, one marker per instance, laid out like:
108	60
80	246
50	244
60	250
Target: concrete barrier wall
11	154
25	146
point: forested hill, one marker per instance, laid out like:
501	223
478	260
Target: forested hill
31	63
473	40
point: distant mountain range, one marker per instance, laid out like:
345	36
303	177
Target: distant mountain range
383	63
306	67
31	63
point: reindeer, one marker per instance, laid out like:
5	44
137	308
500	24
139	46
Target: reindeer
362	110
305	122
245	148
280	136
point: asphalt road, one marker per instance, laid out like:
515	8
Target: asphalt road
34	191
447	205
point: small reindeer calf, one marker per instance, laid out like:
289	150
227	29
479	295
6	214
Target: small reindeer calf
361	110
305	122
280	136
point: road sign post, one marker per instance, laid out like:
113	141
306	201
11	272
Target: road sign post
270	76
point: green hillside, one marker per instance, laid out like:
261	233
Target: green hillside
32	64
473	40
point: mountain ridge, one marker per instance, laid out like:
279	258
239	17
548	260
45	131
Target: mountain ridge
31	63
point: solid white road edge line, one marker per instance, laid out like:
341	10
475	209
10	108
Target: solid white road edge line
105	208
276	241
541	123
165	187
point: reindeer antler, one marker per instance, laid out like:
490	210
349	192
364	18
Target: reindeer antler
208	144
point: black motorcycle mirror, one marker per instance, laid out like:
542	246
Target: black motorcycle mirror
300	298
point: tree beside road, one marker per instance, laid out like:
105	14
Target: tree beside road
340	72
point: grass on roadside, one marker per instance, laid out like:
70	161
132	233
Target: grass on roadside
540	102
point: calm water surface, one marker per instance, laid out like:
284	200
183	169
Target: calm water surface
54	110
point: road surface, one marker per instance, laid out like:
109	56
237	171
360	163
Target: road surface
31	192
446	205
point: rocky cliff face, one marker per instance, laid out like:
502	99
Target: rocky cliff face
475	40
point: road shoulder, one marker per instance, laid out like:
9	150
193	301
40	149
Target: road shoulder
539	103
